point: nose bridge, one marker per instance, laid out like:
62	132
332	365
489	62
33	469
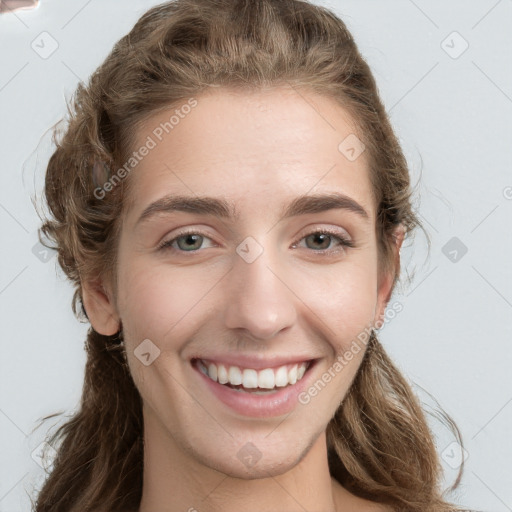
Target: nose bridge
258	299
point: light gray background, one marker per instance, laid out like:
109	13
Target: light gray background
453	115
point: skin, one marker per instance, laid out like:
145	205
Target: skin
258	150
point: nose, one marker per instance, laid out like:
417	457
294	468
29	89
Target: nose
258	298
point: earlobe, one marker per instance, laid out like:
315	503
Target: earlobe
100	308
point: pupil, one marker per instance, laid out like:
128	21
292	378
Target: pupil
190	239
318	238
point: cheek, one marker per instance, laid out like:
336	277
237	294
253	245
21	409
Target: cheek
165	306
344	299
161	303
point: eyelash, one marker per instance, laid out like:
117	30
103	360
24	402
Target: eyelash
344	242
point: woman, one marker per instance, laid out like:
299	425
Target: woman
229	200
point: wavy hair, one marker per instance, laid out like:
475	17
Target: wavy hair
380	446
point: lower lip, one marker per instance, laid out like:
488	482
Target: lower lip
258	406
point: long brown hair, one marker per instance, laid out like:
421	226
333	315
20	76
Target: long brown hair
380	445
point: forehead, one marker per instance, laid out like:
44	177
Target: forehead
255	147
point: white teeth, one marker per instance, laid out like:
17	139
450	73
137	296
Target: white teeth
212	371
222	374
266	379
292	375
234	375
251	379
281	378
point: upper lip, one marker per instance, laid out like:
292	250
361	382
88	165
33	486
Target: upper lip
256	363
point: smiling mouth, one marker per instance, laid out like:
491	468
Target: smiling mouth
258	382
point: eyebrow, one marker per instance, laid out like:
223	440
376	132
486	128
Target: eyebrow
218	207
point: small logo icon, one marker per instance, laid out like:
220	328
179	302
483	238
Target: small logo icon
146	352
454	249
454	455
44	45
454	45
249	249
351	147
37	456
42	253
249	455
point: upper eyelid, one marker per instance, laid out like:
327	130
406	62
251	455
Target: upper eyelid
343	233
302	233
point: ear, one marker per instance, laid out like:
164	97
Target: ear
100	308
385	286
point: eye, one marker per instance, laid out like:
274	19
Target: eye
187	241
320	240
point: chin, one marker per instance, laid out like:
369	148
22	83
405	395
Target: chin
251	457
263	468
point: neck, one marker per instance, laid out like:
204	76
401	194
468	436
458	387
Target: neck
176	481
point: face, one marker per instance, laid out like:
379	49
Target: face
250	277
